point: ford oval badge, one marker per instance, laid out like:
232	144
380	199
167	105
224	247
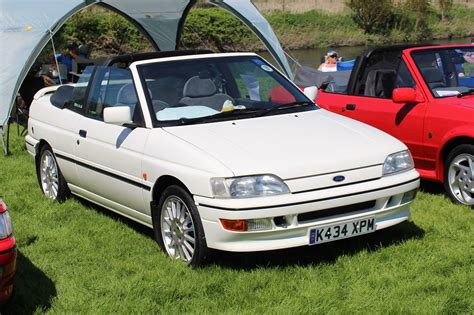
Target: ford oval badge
338	178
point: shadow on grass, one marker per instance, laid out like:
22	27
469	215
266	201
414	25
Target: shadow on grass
32	289
306	255
432	187
319	254
138	227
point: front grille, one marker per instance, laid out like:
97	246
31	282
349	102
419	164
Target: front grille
310	216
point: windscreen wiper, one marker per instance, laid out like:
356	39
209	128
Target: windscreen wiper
286	106
230	113
468	92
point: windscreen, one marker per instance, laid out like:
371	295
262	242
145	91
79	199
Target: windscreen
447	72
218	88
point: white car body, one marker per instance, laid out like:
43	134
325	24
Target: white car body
119	168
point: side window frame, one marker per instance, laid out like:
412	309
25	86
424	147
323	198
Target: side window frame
96	83
404	64
100	73
361	79
85	99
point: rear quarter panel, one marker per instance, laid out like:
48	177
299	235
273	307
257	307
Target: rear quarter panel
58	127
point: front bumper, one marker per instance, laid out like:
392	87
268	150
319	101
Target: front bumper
31	145
382	199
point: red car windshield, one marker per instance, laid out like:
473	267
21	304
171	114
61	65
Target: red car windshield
446	71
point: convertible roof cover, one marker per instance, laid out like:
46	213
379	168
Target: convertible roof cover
27	26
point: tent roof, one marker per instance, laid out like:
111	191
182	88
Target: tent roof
26	26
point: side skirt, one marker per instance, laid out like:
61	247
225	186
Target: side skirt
112	206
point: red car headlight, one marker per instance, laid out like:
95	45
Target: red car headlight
6	227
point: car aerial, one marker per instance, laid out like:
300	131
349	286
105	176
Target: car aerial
7	254
216	151
424	96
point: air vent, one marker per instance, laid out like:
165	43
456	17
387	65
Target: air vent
311	216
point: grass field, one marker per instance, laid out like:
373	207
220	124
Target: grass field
78	258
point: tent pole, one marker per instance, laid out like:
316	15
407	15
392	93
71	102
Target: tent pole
55	58
4	144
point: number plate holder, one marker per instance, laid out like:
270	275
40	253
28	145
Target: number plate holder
328	233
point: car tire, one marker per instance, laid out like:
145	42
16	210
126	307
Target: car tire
178	228
459	174
51	180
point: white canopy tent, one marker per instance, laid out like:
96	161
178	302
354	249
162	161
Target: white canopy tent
26	26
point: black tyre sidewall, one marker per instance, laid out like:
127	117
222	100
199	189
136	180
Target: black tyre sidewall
463	148
200	248
63	190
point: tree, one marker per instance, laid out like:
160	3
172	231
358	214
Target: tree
422	9
373	16
445	6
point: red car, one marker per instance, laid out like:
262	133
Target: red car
7	254
423	96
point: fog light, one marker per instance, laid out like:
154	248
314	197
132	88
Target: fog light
409	196
247	225
259	224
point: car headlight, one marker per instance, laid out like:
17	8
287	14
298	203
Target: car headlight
248	186
398	162
6	228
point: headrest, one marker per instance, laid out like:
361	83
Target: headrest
84	49
127	95
432	75
197	87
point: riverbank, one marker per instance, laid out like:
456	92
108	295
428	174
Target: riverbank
313	29
218	30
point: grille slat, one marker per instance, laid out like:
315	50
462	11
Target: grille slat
310	216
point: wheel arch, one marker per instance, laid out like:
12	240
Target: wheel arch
447	147
162	183
39	146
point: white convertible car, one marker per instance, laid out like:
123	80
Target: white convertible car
217	151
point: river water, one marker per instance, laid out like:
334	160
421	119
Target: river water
312	57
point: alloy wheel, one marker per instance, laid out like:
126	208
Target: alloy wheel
461	178
177	228
49	175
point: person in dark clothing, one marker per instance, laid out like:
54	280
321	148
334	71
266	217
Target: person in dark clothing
31	85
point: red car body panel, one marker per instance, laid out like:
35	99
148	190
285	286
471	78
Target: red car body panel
8	253
426	127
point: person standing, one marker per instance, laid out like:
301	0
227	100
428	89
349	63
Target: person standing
69	55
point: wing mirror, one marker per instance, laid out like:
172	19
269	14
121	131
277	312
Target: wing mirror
62	96
311	92
117	115
406	95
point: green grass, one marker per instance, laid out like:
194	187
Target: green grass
75	257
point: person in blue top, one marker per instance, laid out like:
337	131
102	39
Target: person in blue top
68	56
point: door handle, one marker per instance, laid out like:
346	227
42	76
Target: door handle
350	106
83	133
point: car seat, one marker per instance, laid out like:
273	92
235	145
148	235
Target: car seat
203	92
380	83
433	77
127	96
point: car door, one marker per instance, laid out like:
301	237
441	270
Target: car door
372	104
60	126
110	156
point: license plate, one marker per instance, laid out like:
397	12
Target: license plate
339	231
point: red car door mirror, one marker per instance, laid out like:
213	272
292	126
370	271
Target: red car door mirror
406	95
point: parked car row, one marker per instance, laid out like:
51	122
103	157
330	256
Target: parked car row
217	151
